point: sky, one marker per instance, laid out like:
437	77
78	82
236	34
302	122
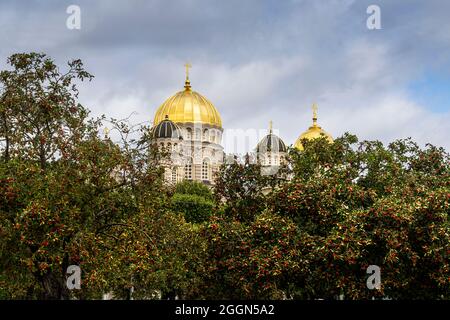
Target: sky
256	60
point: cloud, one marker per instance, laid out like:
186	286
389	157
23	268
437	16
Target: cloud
255	60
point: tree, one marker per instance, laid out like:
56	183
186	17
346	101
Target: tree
250	260
156	253
69	195
243	189
194	200
370	204
62	184
194	188
38	108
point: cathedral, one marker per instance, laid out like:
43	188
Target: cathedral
189	126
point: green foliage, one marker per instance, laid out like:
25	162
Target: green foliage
156	253
243	189
368	204
193	200
250	261
71	196
194	188
195	208
60	182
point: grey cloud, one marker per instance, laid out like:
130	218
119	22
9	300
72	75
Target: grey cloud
256	60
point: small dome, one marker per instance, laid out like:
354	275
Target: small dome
271	143
313	132
166	129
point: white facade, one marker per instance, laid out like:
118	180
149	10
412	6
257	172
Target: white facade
197	156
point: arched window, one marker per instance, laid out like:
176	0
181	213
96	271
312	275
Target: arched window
206	135
205	169
188	170
213	136
174	174
189	134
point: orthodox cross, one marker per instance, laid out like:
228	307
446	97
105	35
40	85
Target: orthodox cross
314	108
187	66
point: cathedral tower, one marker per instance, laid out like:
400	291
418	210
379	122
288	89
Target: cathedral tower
271	151
195	135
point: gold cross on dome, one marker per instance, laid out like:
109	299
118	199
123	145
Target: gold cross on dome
270	126
314	108
187	66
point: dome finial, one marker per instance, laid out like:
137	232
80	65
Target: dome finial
270	126
187	83
314	108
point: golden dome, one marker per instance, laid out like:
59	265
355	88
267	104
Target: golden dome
188	106
313	132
